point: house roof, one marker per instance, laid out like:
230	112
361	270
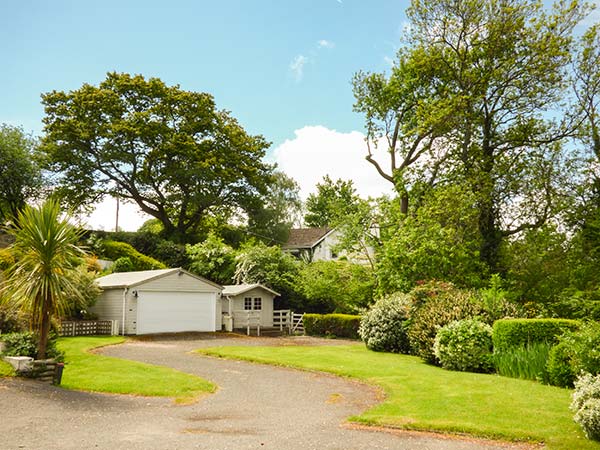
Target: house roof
306	237
237	289
130	279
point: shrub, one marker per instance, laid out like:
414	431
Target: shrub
115	250
332	325
525	362
10	320
122	264
464	345
559	366
6	259
384	327
509	333
586	405
432	311
26	344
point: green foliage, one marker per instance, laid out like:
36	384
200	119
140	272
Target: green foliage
437	241
494	300
510	333
6	259
153	226
383	328
434	306
581	350
272	267
331	204
526	362
114	250
43	282
27	344
87	289
464	345
20	175
153	245
586	405
10	320
170	151
559	366
212	259
332	325
122	264
336	286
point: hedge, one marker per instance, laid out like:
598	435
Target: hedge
332	325
114	250
510	333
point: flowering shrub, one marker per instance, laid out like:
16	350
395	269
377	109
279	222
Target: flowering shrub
586	405
383	328
464	345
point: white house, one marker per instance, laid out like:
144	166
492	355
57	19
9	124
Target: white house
240	302
159	301
312	244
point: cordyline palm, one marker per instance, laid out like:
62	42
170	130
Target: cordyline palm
41	279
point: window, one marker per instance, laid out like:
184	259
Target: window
247	303
257	303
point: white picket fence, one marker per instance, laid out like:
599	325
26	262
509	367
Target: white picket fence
284	319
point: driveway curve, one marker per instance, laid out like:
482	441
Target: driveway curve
255	407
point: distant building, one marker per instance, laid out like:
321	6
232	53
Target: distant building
312	244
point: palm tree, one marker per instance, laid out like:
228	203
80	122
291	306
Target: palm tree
41	280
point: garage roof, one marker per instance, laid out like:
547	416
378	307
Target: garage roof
237	289
130	279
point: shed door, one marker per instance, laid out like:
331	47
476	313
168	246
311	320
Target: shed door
167	312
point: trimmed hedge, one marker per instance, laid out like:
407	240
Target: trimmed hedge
510	333
332	325
115	250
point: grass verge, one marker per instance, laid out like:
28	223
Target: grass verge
6	370
87	371
423	397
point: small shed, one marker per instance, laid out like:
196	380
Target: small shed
159	301
240	300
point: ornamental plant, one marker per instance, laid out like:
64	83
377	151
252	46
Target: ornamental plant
464	345
384	327
586	405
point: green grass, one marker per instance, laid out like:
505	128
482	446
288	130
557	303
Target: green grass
525	362
6	370
423	397
87	371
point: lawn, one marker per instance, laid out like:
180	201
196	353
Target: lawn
87	371
424	397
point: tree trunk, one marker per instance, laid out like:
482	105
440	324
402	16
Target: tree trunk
44	331
404	203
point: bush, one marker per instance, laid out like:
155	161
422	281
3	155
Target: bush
510	333
464	345
26	344
10	320
586	405
332	325
433	309
578	351
114	250
384	327
559	366
525	362
122	264
6	259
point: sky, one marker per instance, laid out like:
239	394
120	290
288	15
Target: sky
283	68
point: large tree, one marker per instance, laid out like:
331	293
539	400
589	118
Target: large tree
20	176
494	72
333	202
170	151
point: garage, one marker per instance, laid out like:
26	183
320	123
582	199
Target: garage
159	301
165	311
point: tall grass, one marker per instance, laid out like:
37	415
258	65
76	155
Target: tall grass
526	362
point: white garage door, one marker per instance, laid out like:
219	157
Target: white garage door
166	312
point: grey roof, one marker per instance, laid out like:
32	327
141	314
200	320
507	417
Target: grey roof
130	279
237	289
306	237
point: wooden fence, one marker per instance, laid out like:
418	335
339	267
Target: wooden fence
89	327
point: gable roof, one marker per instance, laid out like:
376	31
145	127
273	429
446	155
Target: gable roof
130	279
237	289
306	237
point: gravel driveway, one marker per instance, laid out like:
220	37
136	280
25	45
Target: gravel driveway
255	407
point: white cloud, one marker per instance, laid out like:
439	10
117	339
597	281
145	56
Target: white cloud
324	43
104	216
317	151
297	66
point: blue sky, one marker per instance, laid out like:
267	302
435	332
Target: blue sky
277	65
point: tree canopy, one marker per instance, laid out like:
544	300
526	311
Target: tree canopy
172	152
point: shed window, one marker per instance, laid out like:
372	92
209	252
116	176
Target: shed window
257	303
247	303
